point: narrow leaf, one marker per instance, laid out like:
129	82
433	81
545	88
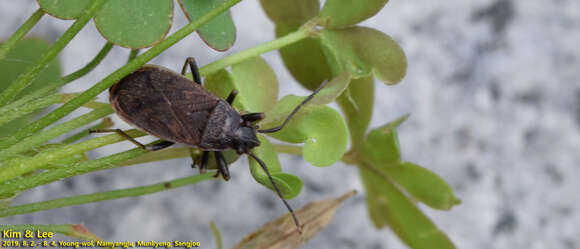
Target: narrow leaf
220	32
423	185
382	144
389	206
282	233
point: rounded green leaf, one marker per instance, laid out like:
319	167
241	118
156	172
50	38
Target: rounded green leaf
294	12
219	83
423	185
304	59
356	103
364	51
135	23
321	129
64	9
255	81
220	32
289	185
343	13
25	53
389	206
382	144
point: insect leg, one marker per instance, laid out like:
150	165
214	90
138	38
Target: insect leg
222	165
194	71
159	146
204	160
252	117
232	96
122	134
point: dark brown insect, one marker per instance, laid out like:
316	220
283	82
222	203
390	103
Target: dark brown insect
172	107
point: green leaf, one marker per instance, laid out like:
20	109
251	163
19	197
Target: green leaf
357	104
321	129
304	59
257	85
63	162
220	32
382	144
135	23
344	13
290	12
331	90
364	51
289	185
64	9
423	185
255	81
25	53
219	83
389	206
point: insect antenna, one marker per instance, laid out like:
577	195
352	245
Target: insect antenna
275	129
263	165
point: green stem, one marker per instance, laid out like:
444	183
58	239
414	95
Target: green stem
103	196
54	132
159	155
24	79
39	97
133	55
71	230
286	40
8	114
288	149
114	77
16	167
11	112
21	32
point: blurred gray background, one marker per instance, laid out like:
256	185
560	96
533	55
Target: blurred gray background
493	89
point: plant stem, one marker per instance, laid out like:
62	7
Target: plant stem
114	77
20	32
16	167
71	230
10	112
103	196
133	55
24	79
288	149
54	132
255	51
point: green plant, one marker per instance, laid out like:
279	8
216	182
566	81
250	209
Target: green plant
315	45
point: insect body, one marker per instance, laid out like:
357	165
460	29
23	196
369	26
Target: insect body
177	110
